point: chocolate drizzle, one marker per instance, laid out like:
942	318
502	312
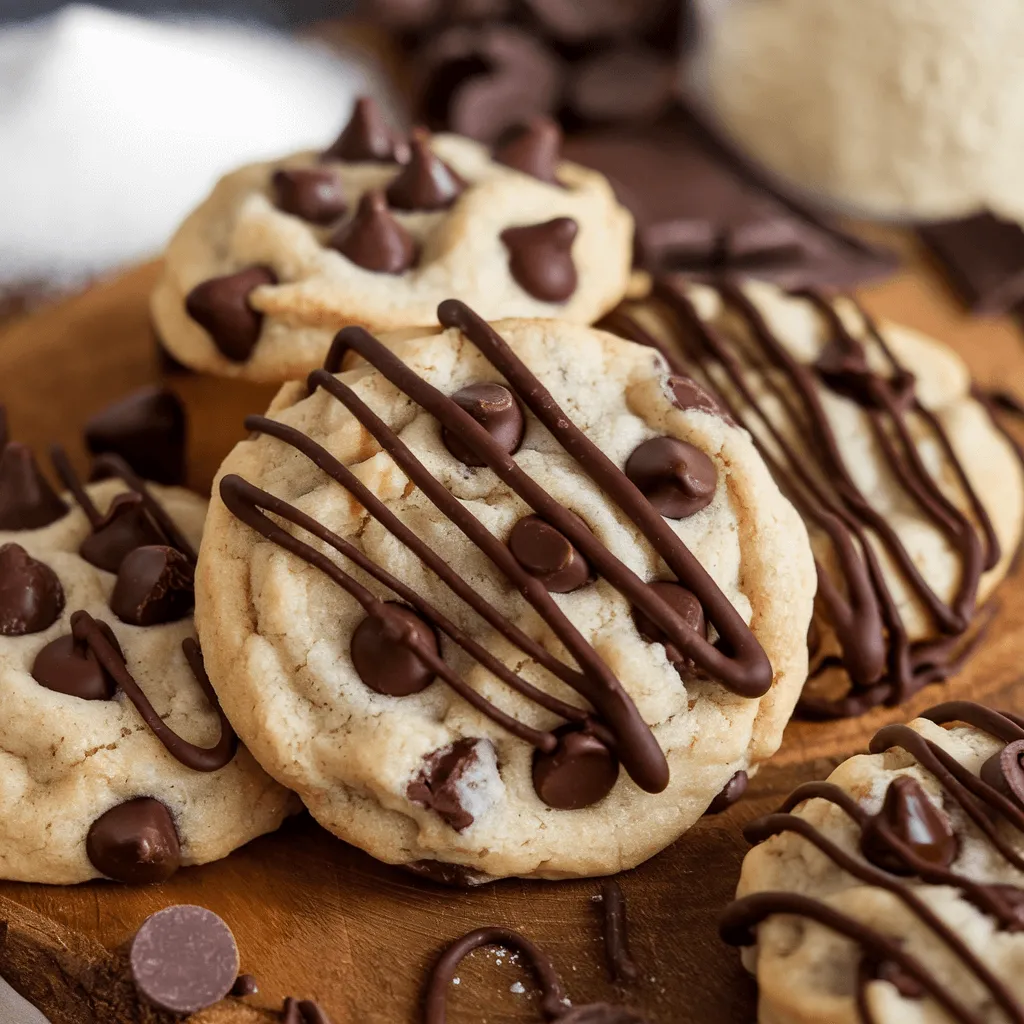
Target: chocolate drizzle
616	932
925	851
883	665
738	661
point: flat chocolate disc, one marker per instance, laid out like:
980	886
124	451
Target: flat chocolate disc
184	959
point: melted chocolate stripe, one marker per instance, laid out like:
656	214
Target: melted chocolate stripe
825	791
200	759
737	925
1003	727
775	824
616	932
553	999
636	745
378	510
70	479
748	671
244	501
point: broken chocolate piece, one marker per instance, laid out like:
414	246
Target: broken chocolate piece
441	783
154	585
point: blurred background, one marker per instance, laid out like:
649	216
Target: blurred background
742	133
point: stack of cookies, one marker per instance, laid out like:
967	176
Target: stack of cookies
526	567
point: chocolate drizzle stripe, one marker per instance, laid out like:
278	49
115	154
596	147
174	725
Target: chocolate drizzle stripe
616	932
775	824
742	917
118	467
981	802
636	745
883	664
553	999
380	512
747	671
200	759
70	479
245	501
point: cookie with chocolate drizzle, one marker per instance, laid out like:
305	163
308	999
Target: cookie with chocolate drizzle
117	760
895	890
493	597
912	494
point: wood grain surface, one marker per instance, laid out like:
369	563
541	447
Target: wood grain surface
318	919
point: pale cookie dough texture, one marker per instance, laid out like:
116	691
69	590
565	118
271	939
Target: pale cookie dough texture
903	108
460	251
886	485
278	633
66	761
809	973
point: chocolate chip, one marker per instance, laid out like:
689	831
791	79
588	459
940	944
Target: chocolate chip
31	597
688	394
601	1013
184	959
68	665
481	80
495	408
27	501
683	605
126	526
314	195
630	83
426	182
245	986
148	430
381	659
1003	772
549	555
540	258
154	585
1005	902
676	478
440	783
534	149
579	772
135	842
221	306
915	821
366	138
374	240
731	792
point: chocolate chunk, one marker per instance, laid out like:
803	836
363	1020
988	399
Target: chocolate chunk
381	659
455	876
126	526
731	792
154	585
245	986
221	306
184	959
495	408
135	842
677	478
540	258
630	83
682	604
688	394
426	182
314	195
374	240
69	666
602	1013
481	80
579	772
148	430
571	21
549	555
1004	901
1003	771
440	782
31	597
983	256
366	138
27	501
534	149
915	821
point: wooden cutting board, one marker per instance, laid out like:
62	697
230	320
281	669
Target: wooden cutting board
318	919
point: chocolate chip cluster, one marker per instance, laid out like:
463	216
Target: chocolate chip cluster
482	66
